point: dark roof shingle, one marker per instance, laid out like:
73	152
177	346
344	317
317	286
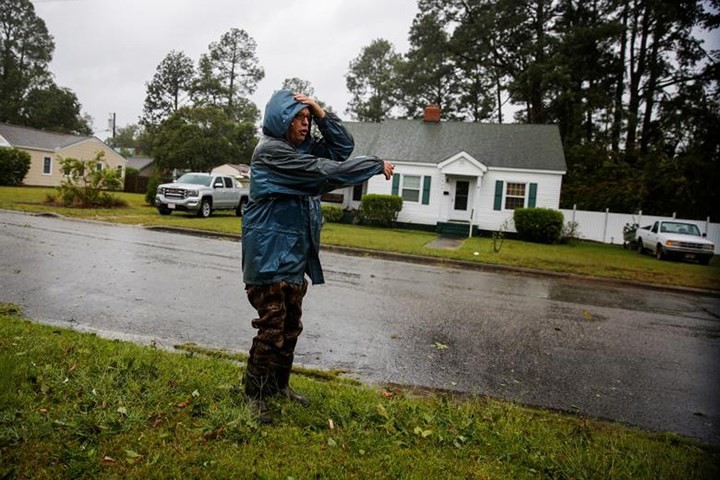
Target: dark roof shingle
38	139
521	146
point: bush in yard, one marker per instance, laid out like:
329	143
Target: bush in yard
87	183
570	233
332	213
539	225
14	165
152	186
380	209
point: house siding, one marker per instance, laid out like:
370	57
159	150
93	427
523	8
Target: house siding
548	195
85	150
413	212
35	175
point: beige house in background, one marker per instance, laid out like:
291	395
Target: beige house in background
45	148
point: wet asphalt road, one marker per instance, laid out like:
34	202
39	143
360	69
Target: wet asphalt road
643	357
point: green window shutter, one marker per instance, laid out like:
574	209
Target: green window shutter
426	190
498	194
533	195
396	184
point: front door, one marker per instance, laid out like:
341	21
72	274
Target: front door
461	200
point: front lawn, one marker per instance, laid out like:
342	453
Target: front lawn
73	405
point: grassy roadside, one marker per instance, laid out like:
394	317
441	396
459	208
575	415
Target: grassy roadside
73	405
584	258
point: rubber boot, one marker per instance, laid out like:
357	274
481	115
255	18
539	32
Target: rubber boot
255	395
282	376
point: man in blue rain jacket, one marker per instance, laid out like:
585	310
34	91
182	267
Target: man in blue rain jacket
281	230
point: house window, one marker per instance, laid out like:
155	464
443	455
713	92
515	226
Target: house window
119	170
410	188
98	167
514	196
47	166
357	193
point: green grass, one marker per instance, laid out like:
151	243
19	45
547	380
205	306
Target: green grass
73	405
583	258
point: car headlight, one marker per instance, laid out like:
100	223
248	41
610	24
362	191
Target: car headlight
191	193
669	243
161	191
709	247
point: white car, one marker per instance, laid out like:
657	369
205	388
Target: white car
670	238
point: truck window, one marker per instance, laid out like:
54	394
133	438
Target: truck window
655	227
218	183
228	182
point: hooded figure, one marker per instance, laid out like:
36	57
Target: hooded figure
281	224
281	228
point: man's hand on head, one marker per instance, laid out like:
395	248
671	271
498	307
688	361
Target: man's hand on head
388	169
316	109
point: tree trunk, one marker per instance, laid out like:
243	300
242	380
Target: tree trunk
620	86
637	69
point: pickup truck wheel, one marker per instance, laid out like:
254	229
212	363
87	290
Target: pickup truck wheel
205	209
163	210
705	260
640	248
660	252
240	210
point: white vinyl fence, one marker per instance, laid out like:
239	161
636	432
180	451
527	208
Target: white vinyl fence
607	227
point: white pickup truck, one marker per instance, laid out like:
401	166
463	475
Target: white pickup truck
670	238
202	193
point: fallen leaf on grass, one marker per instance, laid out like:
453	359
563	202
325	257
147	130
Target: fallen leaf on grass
183	404
108	460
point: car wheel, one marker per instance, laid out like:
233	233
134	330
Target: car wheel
705	260
162	210
640	248
205	209
660	252
240	210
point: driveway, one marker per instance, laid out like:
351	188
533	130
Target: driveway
633	355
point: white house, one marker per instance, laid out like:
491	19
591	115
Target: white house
451	174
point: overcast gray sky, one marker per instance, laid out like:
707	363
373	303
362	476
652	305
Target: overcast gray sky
105	50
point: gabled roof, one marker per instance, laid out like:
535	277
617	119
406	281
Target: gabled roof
25	137
521	146
139	163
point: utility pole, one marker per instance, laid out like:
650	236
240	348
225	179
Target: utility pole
111	124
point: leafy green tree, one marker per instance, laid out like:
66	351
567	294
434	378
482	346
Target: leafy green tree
235	65
169	88
207	88
201	138
428	73
86	183
125	137
26	48
298	85
14	165
55	108
372	80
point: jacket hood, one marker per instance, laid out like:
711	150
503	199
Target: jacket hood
279	113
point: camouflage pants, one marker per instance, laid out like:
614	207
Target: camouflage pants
279	325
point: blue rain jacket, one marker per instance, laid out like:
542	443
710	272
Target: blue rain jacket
281	224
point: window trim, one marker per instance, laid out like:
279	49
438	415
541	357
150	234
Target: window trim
50	166
419	188
507	196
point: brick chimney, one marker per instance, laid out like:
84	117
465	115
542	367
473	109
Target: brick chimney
432	114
